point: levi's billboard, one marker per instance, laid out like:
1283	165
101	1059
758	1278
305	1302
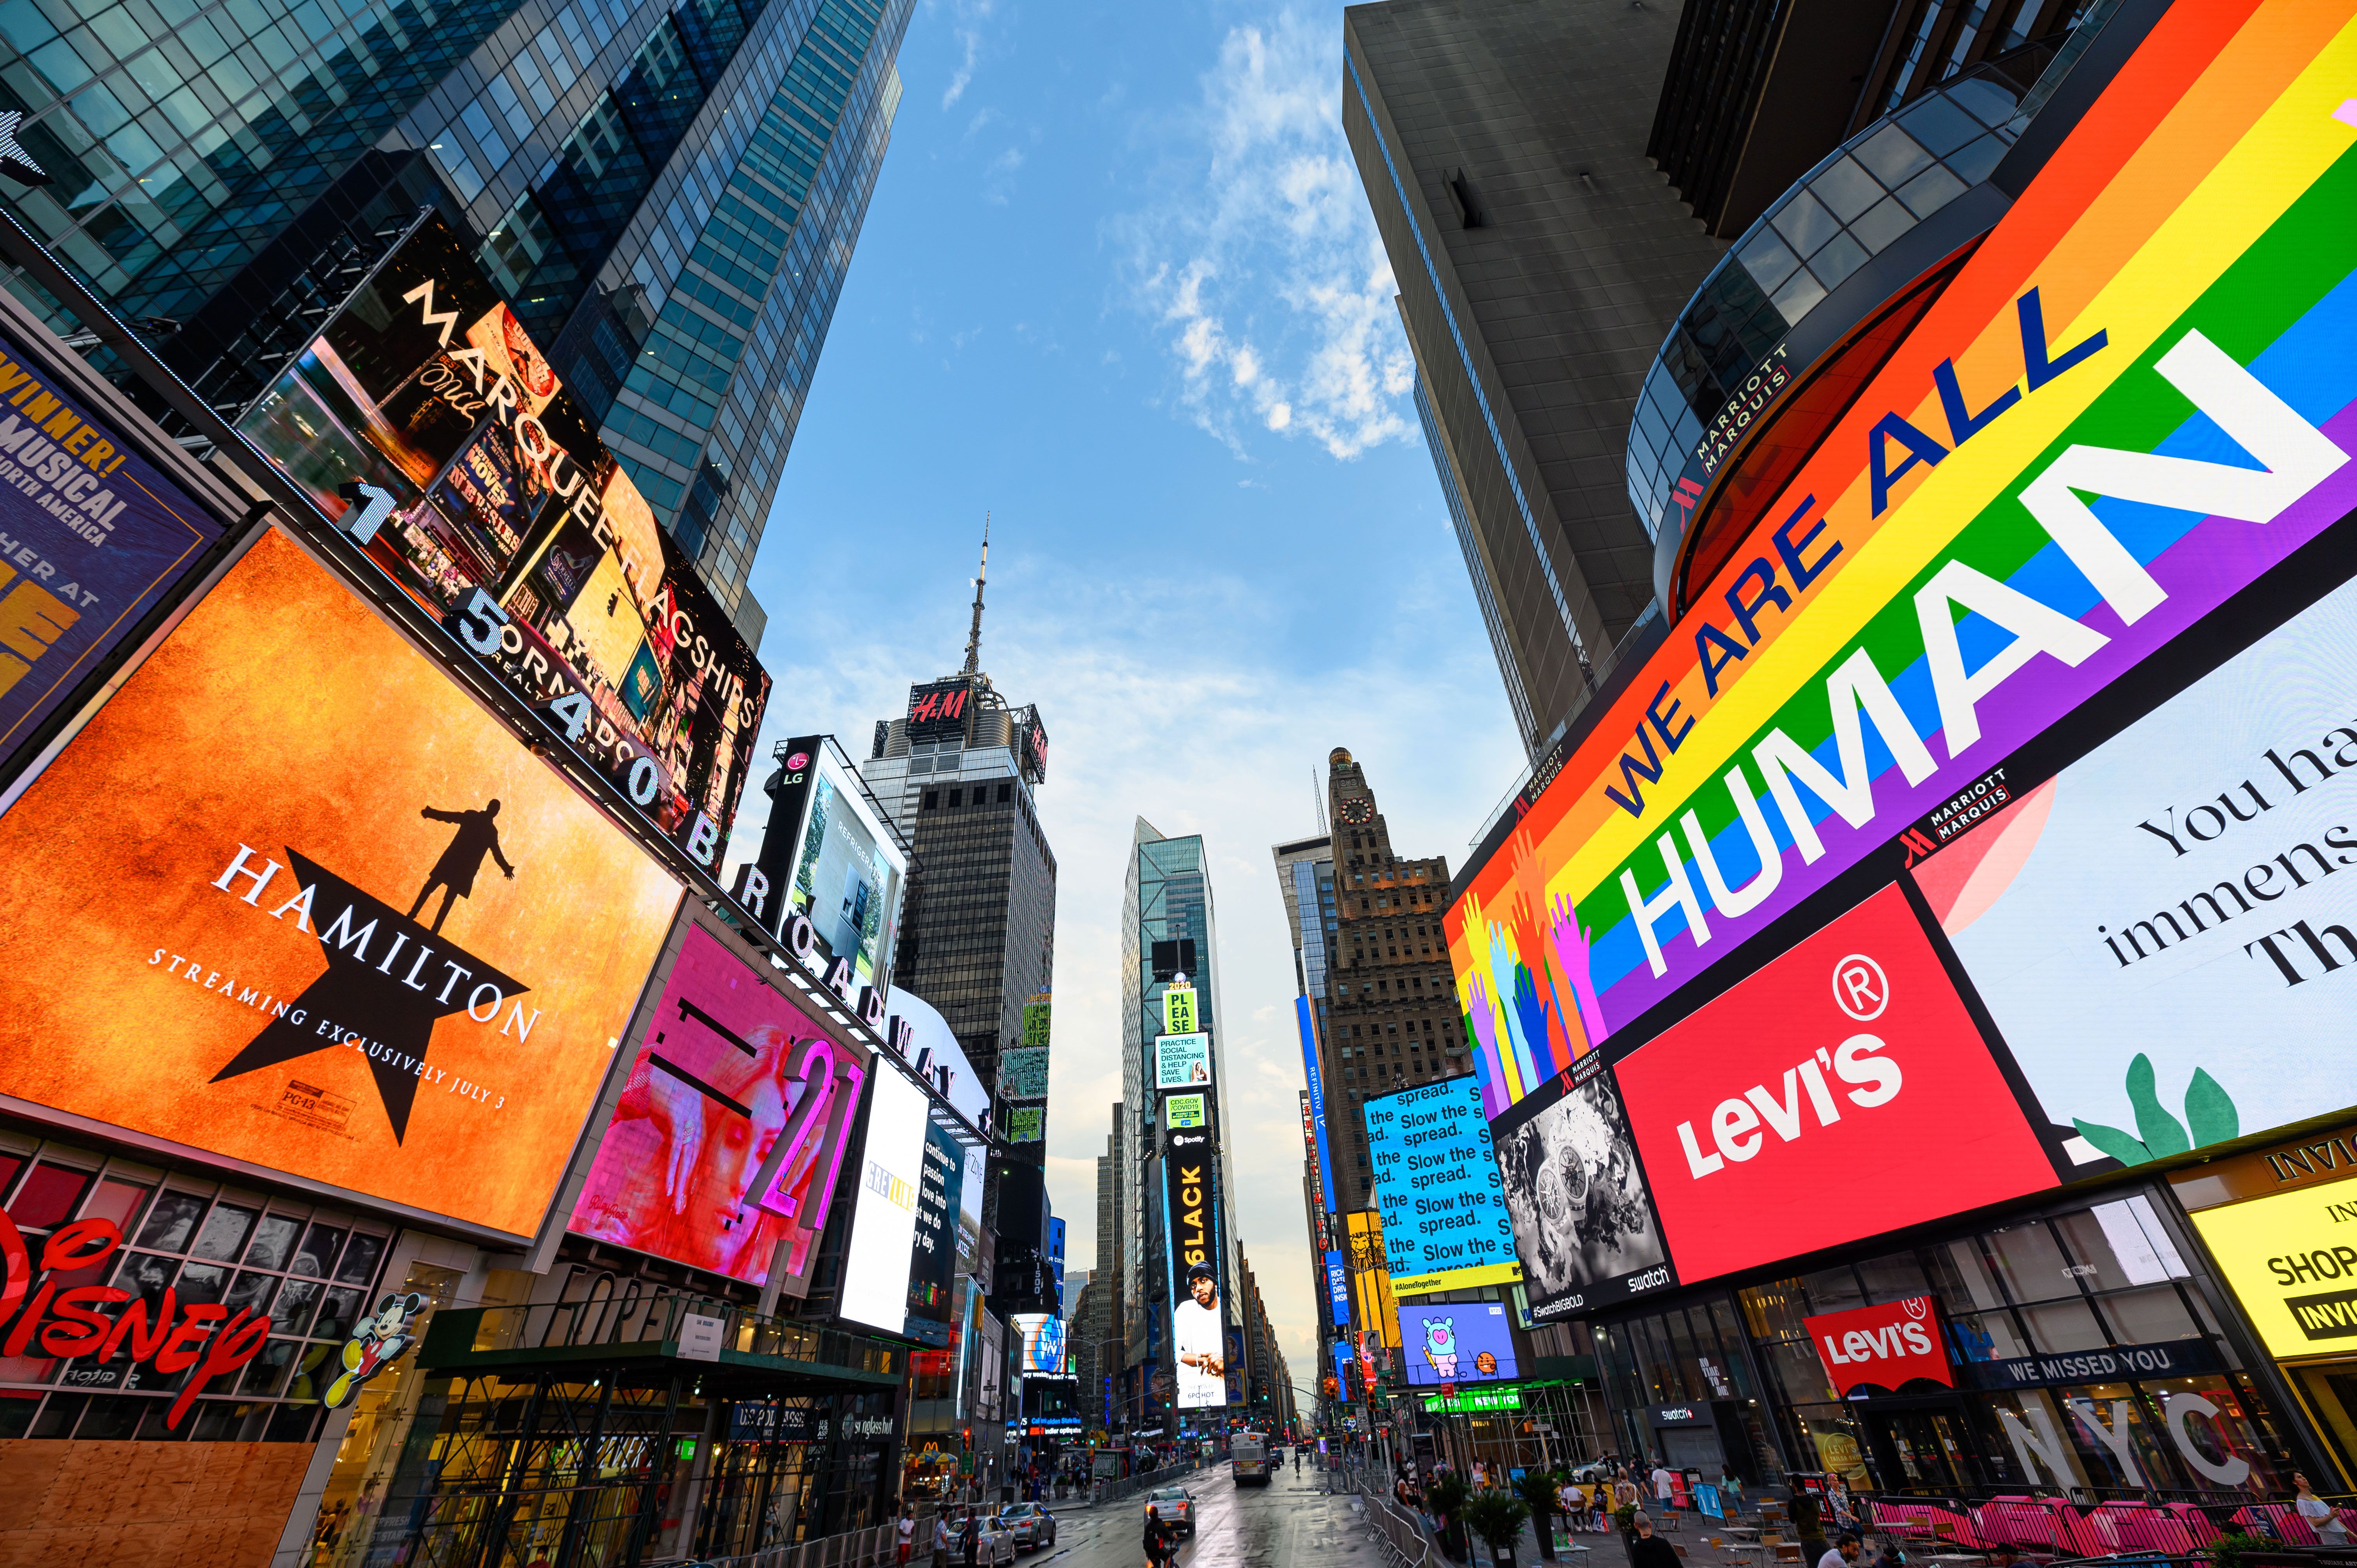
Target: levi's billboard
292	899
1791	1095
2123	409
1881	1346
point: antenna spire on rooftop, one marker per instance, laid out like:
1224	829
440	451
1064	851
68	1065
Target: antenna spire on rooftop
973	636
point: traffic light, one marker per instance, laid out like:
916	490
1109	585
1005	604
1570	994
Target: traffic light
1329	1387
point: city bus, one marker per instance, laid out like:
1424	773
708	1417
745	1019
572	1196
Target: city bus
1248	1456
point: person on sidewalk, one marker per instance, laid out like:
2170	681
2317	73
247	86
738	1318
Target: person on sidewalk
942	1537
1650	1551
1844	1552
1665	1490
905	1532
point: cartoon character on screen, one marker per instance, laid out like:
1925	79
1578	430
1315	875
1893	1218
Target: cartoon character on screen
1440	1345
1485	1363
376	1343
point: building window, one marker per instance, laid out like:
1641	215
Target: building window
932	799
956	798
1005	793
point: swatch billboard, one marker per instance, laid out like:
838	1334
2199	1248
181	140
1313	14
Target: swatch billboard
1584	1226
292	899
2134	397
1784	1099
731	1129
504	513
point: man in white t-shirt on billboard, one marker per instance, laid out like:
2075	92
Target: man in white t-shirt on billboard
1198	1340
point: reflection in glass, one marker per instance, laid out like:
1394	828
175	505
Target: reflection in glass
47	1196
268	1370
224	1233
335	1319
145	1275
271	1242
359	1267
318	1253
200	1284
171	1222
295	1304
250	1293
2032	1266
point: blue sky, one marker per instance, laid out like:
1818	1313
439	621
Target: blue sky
1119	287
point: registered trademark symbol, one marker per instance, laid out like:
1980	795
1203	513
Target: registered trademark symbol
1861	988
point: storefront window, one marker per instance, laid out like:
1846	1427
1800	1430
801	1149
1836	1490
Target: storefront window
1832	1290
1960	1274
1893	1278
2148	1317
2064	1326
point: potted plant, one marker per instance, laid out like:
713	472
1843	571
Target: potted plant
1497	1515
1537	1490
1445	1496
2226	1551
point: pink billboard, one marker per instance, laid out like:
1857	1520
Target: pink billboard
724	1150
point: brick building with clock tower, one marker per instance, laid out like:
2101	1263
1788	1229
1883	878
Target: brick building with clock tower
1390	1010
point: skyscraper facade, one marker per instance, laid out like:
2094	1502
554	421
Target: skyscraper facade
668	197
1540	259
1391	1010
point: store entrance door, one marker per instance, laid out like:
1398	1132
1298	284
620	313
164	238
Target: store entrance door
2331	1390
1919	1448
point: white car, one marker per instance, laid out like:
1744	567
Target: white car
1031	1525
1174	1506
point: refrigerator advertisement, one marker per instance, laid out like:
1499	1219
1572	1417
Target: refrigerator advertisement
2158	929
1445	1224
1584	1226
732	1080
848	873
291	897
1931	591
508	518
1793	1083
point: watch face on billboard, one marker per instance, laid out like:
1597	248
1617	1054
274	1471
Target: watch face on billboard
1182	1061
2158	929
511	520
97	535
1583	1225
1460	1342
884	1224
1445	1224
292	899
733	1080
848	877
2127	432
1783	1097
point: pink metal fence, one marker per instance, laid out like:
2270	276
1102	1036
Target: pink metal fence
2049	1526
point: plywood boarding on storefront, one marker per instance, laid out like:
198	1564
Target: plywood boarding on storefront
147	1505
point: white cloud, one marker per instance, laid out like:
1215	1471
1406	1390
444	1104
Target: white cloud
970	14
1221	736
1259	259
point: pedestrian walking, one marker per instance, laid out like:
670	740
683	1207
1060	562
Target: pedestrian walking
905	1532
973	1538
1730	1491
1664	1492
941	1537
1650	1551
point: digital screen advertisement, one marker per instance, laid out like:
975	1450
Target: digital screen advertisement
1937	597
512	521
936	1055
932	1274
1446	1225
2289	1262
98	535
1190	1220
1584	1226
1462	1342
1023	1074
1182	1061
1849	1044
732	1078
875	1289
1371	1282
2156	929
1185	1110
258	916
849	873
1043	1344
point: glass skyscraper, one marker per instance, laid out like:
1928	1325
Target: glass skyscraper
669	196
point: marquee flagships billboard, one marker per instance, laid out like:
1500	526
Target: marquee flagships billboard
2135	398
512	520
292	899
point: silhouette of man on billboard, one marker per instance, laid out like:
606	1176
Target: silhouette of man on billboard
454	873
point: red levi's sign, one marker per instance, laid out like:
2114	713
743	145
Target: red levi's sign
1883	1345
1840	1093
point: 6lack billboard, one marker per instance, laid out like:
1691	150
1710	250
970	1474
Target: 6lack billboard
1190	1219
1932	588
731	1129
292	899
1446	1225
512	521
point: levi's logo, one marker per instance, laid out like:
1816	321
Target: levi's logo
1804	1095
1885	1345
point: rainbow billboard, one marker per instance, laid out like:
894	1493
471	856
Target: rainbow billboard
2138	395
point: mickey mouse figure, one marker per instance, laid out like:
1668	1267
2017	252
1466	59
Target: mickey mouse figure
376	1343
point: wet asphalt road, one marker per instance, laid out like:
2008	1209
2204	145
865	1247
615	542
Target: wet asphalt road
1288	1523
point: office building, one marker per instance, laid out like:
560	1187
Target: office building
1391	1013
1540	258
1097	1334
667	198
958	772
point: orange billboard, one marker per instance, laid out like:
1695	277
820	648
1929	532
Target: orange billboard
292	897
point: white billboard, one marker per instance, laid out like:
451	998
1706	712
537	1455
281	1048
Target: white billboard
1182	1061
875	1289
2158	929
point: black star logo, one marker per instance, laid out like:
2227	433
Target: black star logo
389	980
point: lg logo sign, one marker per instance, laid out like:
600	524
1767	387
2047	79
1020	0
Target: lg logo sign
1862	992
